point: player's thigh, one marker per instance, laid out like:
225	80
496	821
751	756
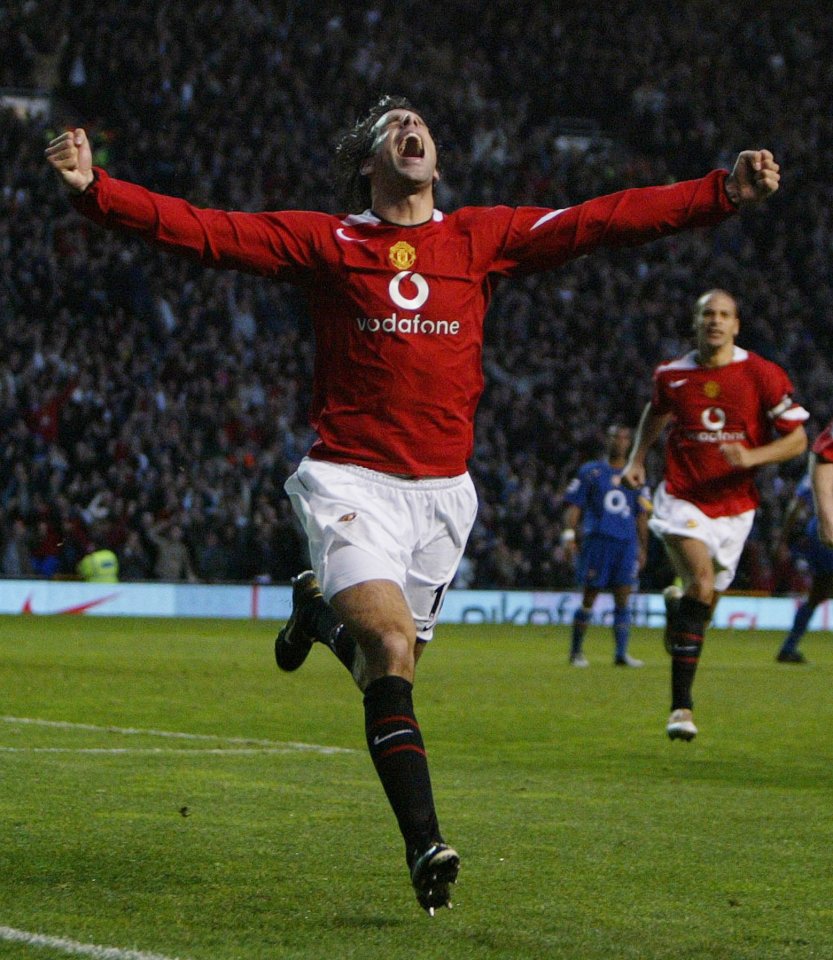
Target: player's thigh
692	560
427	580
593	564
730	535
358	525
437	557
377	616
623	573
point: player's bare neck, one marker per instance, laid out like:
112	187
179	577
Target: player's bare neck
716	358
409	210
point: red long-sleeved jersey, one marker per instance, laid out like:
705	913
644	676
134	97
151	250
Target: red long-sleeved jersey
398	311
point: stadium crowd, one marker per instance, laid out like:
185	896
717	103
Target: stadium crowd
156	408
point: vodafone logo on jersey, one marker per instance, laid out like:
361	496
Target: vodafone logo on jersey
714	420
408	291
400	299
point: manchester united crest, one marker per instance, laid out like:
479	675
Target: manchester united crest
711	389
402	255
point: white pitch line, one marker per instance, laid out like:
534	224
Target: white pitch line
170	751
65	945
135	732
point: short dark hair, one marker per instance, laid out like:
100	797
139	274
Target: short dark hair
354	147
616	426
712	292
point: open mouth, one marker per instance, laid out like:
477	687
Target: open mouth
411	145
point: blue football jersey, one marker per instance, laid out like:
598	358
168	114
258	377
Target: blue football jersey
608	507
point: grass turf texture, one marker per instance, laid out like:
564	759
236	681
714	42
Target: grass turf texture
584	833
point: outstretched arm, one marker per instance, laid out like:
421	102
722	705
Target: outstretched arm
278	244
542	240
651	425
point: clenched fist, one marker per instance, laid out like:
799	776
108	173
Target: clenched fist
72	158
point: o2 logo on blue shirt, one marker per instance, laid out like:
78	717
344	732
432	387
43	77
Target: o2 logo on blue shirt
616	501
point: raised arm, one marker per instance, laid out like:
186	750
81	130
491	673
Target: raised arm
541	239
278	244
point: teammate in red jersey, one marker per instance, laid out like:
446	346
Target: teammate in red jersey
398	294
723	404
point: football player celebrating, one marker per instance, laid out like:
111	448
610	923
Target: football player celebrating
398	292
723	404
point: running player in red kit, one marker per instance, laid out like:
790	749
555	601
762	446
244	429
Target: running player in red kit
723	404
398	292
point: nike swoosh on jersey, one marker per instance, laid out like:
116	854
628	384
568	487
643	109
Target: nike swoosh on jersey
343	236
678	383
547	217
387	736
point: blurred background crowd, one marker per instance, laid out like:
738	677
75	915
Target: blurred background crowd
155	407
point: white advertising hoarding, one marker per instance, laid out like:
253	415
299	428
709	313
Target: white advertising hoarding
255	601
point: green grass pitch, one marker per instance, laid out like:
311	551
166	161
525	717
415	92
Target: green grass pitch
584	833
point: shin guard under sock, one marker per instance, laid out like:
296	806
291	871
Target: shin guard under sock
686	641
398	753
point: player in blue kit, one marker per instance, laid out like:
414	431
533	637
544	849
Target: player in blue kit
611	542
819	560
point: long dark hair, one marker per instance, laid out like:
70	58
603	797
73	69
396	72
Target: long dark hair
354	147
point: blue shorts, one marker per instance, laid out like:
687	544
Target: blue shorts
819	557
607	562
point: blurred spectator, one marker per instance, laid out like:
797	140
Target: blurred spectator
17	557
134	560
173	560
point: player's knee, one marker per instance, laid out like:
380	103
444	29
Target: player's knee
702	588
389	652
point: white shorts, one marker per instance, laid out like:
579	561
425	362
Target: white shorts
724	536
363	525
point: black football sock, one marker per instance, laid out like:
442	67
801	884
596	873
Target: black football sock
580	620
686	641
398	753
321	620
